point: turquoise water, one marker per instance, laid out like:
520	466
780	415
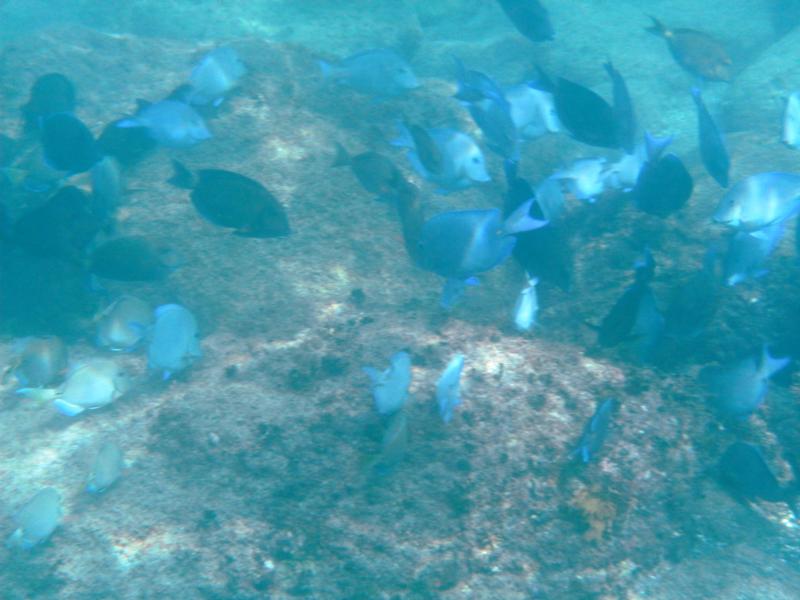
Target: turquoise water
261	469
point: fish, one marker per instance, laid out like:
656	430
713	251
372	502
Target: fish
107	188
428	152
228	199
37	361
51	94
739	388
174	342
129	258
530	18
170	123
474	86
461	244
123	324
697	52
692	305
622	107
493	118
375	172
36	520
760	200
67	143
747	253
380	73
595	431
390	387
448	395
128	144
744	472
532	110
462	162
216	74
791	121
585	178
527	306
712	145
663	185
106	468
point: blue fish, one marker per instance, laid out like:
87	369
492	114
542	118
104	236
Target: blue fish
493	117
747	253
380	73
760	200
663	184
747	476
595	431
474	86
447	387
461	244
170	123
530	18
68	144
390	387
174	344
712	145
217	73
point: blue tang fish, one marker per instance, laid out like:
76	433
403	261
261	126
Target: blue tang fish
217	73
594	433
380	73
712	145
747	253
390	387
760	200
174	344
447	387
36	520
170	123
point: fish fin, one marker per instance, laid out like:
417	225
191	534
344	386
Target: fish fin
373	374
770	364
520	220
657	28
585	456
166	375
128	123
326	68
451	292
67	408
181	177
654	145
472	281
40	394
342	158
142	104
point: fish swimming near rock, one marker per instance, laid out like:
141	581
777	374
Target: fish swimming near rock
747	253
394	444
228	199
448	394
107	188
474	86
129	258
128	144
493	117
595	432
37	361
760	200
532	111
695	51
585	178
174	342
36	520
68	144
390	387
738	389
375	172
123	324
527	306
663	185
693	304
380	73
170	123
746	475
50	94
791	121
712	145
530	18
622	107
217	73
106	468
461	161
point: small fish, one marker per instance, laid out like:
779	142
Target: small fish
217	73
791	121
462	162
174	343
663	185
128	144
376	173
50	94
68	144
390	387
107	187
739	388
697	52
428	151
493	117
712	145
170	123
527	306
106	468
380	73
533	111
624	114
530	18
37	361
747	253
129	258
447	387
759	201
123	324
232	200
585	178
394	443
474	86
36	520
595	431
746	474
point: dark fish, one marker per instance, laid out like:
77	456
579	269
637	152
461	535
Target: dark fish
747	476
587	117
131	258
474	86
624	115
412	217
68	144
231	200
62	227
712	145
693	304
663	186
428	151
594	433
51	94
546	252
530	18
499	130
127	144
697	52
376	173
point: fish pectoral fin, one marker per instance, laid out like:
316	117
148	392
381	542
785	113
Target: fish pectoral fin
67	408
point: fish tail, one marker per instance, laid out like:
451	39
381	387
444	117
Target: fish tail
326	68
342	158
657	28
182	177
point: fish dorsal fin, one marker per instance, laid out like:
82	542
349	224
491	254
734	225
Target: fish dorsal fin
142	104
